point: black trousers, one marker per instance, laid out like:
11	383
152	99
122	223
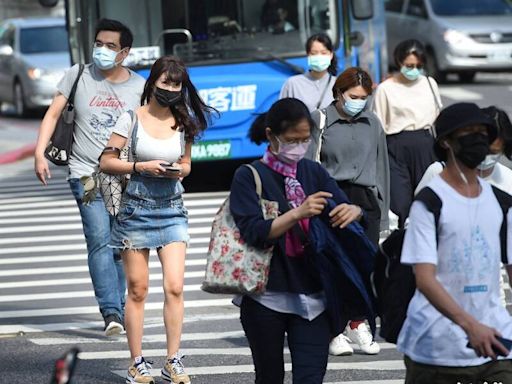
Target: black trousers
365	198
308	342
410	154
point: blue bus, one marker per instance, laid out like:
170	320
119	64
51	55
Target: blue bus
237	61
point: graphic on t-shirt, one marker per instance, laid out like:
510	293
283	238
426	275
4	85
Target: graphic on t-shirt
472	261
102	125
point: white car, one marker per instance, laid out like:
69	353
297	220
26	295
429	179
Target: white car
34	54
461	36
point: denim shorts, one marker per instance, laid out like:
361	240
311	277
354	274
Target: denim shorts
151	215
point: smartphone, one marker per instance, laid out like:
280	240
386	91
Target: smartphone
507	343
170	168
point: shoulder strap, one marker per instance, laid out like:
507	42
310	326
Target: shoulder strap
71	98
257	179
324	91
505	202
433	94
321	129
433	204
132	135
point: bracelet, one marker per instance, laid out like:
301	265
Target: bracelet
134	170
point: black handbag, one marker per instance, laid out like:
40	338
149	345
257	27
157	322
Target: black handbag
59	147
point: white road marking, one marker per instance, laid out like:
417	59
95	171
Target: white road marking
459	94
383	365
149	322
82	310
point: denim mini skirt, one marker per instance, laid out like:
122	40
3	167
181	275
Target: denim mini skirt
151	215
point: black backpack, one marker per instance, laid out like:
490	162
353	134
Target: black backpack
394	283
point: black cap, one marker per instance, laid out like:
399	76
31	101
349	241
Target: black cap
458	116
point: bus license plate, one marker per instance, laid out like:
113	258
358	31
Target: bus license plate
211	150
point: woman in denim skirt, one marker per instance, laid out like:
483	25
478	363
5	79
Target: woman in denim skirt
152	214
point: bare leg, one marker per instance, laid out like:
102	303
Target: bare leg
172	257
137	278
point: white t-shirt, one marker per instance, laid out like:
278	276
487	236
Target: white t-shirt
467	260
501	177
150	148
406	106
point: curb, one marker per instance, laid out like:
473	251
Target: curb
17	154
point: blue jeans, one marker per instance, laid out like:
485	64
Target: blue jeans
105	264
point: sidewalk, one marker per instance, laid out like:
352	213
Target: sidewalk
17	138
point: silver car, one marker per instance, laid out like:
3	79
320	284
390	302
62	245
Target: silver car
34	54
461	36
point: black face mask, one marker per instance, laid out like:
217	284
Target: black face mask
472	149
167	98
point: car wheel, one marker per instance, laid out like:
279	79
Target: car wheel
466	77
19	100
433	69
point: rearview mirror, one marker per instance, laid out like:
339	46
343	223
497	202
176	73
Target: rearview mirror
48	3
362	9
6	50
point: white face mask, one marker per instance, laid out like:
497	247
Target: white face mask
489	162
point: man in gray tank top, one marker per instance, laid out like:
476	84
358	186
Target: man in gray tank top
105	90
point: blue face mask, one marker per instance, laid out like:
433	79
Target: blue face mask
353	106
104	58
319	63
411	73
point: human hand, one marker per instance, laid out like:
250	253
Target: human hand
344	214
42	169
153	167
483	340
313	205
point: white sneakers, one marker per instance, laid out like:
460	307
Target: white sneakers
339	346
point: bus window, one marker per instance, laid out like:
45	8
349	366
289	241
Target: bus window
220	31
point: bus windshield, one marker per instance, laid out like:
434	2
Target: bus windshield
471	7
218	31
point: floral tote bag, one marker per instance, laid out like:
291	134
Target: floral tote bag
232	265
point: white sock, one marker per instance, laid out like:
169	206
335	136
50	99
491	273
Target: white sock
138	360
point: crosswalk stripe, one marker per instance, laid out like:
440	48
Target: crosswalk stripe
81	268
81	280
82	257
57	238
74	210
380	365
149	322
67	203
82	294
21	313
64	227
460	94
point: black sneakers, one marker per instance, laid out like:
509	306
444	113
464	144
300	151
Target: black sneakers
113	325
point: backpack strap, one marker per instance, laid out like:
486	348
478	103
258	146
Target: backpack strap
321	128
505	202
433	204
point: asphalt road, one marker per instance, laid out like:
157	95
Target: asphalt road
47	304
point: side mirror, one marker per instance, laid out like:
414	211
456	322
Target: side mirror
6	50
48	3
356	39
362	9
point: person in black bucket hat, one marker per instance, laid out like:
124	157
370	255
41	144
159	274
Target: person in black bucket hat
467	119
456	326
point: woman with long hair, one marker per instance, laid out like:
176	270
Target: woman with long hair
152	215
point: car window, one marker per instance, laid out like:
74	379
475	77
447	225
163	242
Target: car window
394	5
471	7
43	39
416	8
